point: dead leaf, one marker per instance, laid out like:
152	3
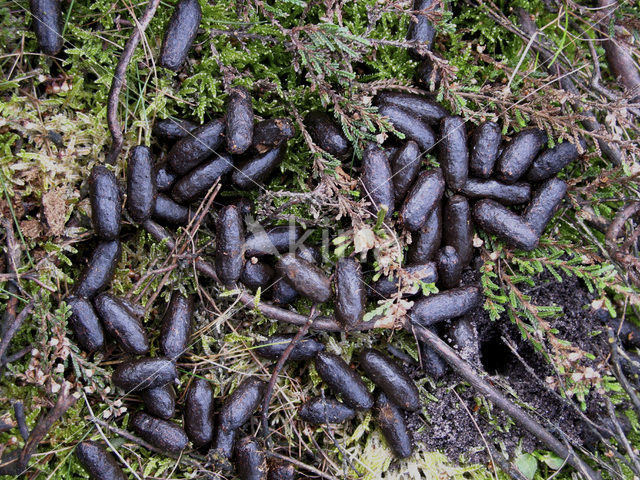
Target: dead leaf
31	228
55	210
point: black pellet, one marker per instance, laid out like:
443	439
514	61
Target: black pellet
391	379
318	411
239	120
176	326
519	153
199	180
256	274
350	292
240	405
405	165
308	279
427	76
144	373
85	324
229	245
544	204
282	292
97	275
162	434
97	462
409	124
484	149
270	133
280	470
423	198
326	134
171	129
432	363
458	228
224	441
421	30
452	151
141	184
376	179
47	25
274	346
165	178
250	461
194	149
256	170
445	305
160	401
551	161
426	241
276	240
180	34
393	426
106	203
419	106
449	267
168	212
198	413
500	221
504	193
344	381
424	272
465	339
120	324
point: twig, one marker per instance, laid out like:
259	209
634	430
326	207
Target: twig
623	437
519	416
12	328
18	410
119	79
276	371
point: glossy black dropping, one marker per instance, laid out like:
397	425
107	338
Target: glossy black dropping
169	212
519	153
418	105
428	77
239	120
308	279
198	413
141	184
280	470
256	274
121	325
270	133
496	219
423	198
465	338
97	275
507	194
98	462
627	331
350	292
180	34
377	180
162	434
171	129
47	25
394	428
551	161
405	165
273	241
165	178
391	379
432	363
144	373
544	204
250	461
199	180
282	292
274	346
176	326
411	125
229	245
485	143
426	241
256	170
106	203
445	305
318	411
343	381
85	324
240	405
194	149
424	272
449	267
160	401
452	151
458	228
224	441
310	254
326	134
421	29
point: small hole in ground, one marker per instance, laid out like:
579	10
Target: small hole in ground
495	356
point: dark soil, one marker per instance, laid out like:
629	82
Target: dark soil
450	428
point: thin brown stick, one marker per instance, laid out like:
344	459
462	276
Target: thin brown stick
522	418
614	230
119	80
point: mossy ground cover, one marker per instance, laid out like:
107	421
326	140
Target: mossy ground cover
296	56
